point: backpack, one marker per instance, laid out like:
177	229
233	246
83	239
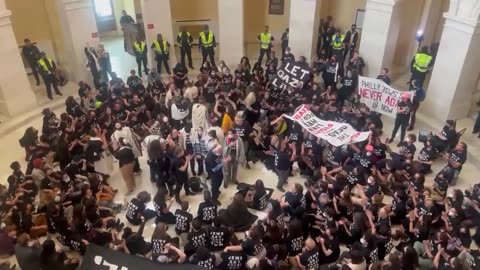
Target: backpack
420	94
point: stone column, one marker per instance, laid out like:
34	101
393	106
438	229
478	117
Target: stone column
455	71
303	26
378	35
16	94
230	35
79	27
157	19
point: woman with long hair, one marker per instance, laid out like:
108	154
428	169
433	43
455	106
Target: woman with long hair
163	208
50	259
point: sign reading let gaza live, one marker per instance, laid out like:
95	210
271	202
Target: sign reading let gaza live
290	74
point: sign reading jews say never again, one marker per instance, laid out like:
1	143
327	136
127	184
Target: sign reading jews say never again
337	134
379	96
290	74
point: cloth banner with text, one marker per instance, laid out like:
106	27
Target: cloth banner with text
335	133
100	258
290	74
379	96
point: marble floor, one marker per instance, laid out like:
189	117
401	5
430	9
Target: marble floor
122	63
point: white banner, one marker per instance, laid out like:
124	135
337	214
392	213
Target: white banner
335	133
379	96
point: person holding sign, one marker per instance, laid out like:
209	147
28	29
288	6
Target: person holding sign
404	107
266	39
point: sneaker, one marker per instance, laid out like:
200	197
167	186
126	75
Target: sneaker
217	202
399	144
235	182
388	140
125	203
128	193
281	189
247	166
410	128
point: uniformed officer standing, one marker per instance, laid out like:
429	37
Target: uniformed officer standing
161	47
31	54
338	46
141	55
285	37
47	68
184	41
420	65
266	40
207	43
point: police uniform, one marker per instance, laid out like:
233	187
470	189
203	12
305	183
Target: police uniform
184	41
265	45
161	54
141	56
207	43
338	47
47	68
420	65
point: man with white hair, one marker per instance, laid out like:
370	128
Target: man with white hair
130	137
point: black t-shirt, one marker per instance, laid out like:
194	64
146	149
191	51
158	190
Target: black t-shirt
134	210
233	260
252	248
404	105
407	149
177	163
209	91
293	199
218	238
457	156
207	211
426	154
198	238
310	259
182	221
282	160
243	130
205	264
294	245
448	133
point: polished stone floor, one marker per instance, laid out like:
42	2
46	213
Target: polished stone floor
122	63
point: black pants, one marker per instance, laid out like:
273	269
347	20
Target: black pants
96	75
179	184
200	162
162	58
168	218
283	52
217	179
34	67
105	71
142	59
350	49
476	127
188	52
262	53
402	123
339	54
50	81
210	52
418	76
413	114
136	167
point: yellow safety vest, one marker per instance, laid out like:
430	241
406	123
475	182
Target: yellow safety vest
338	45
157	48
139	47
422	61
43	65
206	42
265	39
188	38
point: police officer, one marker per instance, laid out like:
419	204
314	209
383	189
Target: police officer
207	43
265	40
161	47
184	41
141	55
351	39
420	65
47	68
31	54
338	45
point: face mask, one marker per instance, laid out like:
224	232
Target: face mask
371	181
407	140
364	242
368	154
451	214
287	52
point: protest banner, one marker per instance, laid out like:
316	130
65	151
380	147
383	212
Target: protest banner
290	74
100	258
379	96
335	133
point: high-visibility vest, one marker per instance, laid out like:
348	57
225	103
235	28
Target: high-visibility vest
265	39
43	65
206	41
157	47
337	43
188	38
139	47
422	61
